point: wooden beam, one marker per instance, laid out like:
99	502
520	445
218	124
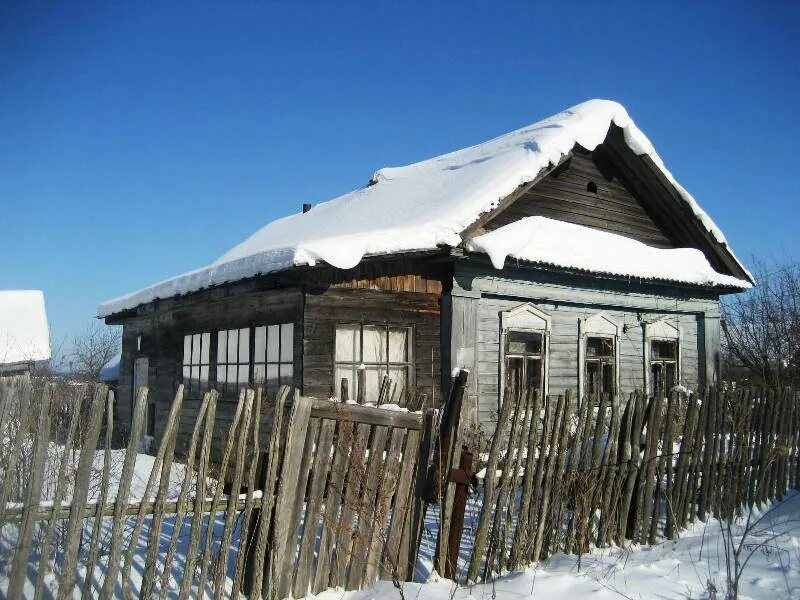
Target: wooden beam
476	228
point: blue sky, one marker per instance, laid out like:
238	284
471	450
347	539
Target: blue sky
139	141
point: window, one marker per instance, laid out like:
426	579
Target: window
599	363
524	360
233	360
384	352
663	366
196	362
273	356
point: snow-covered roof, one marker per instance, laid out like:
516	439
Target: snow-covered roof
110	371
24	334
556	243
417	207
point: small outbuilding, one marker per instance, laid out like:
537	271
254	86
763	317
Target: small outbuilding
563	255
24	333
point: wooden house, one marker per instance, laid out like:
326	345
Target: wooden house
563	255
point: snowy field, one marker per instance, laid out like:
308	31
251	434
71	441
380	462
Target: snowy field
690	567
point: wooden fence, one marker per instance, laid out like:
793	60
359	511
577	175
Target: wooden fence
329	498
557	479
312	493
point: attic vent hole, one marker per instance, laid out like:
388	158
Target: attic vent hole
591	187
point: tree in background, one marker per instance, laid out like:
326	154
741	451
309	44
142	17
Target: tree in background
762	326
91	350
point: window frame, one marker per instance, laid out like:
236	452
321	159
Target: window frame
225	390
661	330
409	364
598	325
525	318
190	389
214	362
280	363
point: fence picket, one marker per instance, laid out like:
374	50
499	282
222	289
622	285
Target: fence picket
236	484
97	525
244	538
19	565
76	402
68	567
200	498
206	562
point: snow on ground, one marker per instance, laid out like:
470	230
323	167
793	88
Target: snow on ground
670	569
416	207
560	244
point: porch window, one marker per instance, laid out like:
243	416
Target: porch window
524	360
663	366
384	352
196	362
273	356
233	360
599	366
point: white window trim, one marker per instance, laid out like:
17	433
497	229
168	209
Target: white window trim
597	325
526	318
661	329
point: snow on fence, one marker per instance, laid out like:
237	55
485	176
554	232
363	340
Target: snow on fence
560	479
327	499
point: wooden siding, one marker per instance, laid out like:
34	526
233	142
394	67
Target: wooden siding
323	311
563	195
483	294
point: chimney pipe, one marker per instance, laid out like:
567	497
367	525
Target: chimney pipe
306	208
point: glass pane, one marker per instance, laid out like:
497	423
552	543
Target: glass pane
398	345
286	377
523	342
187	373
374	345
206	345
514	372
244	375
670	377
204	377
244	346
187	349
372	382
196	349
222	345
657	376
534	374
348	343
348	374
608	379
233	345
287	342
195	379
664	349
259	375
272	376
232	374
592	378
260	345
273	341
597	346
398	386
221	378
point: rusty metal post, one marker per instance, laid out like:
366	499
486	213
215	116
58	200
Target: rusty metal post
461	477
